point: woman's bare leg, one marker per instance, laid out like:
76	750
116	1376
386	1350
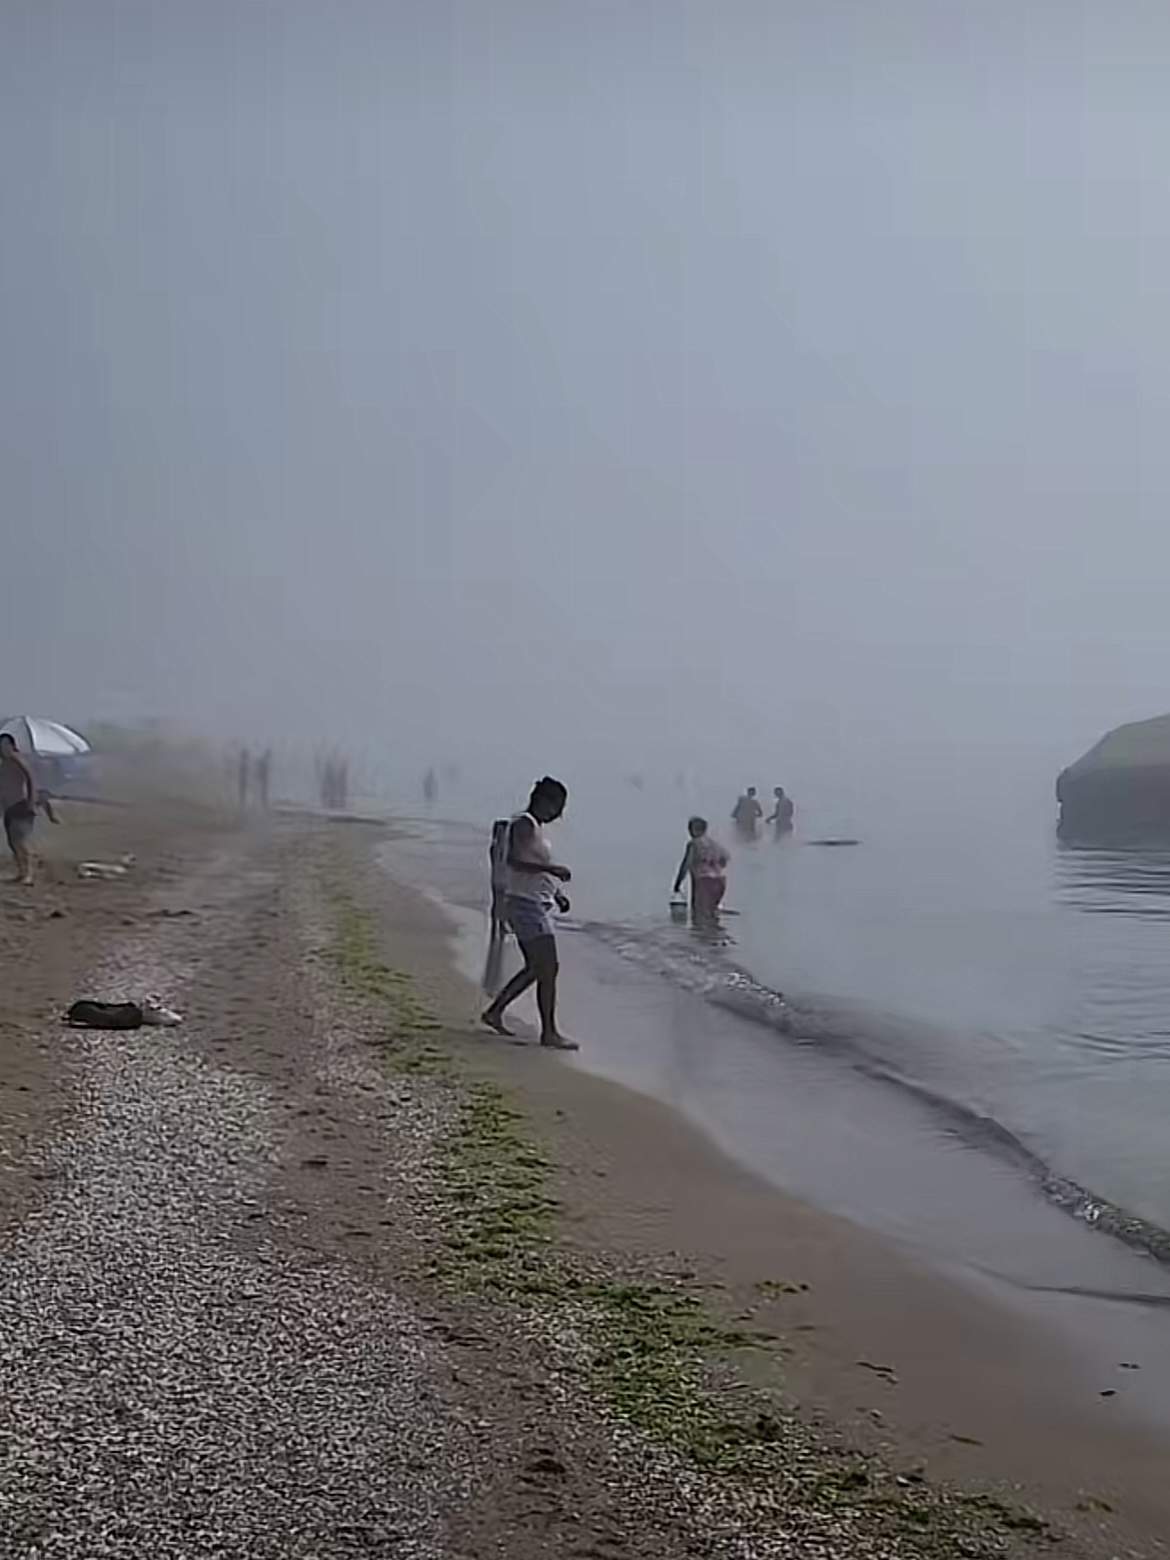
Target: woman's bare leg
547	966
493	1014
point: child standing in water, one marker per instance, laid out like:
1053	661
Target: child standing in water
706	862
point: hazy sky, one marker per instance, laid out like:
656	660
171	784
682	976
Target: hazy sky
569	380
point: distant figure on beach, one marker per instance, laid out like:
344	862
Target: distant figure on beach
341	773
18	800
329	783
430	787
746	814
243	777
264	776
705	862
534	881
782	814
498	857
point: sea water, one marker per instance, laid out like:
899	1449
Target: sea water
1020	986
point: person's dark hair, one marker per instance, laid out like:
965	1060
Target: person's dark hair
8	738
550	790
697	825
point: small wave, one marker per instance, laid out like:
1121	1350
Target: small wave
711	973
697	965
1146	1299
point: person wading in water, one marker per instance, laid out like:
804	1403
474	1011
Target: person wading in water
782	816
705	861
746	814
534	881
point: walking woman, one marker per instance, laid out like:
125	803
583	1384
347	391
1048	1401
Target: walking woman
534	880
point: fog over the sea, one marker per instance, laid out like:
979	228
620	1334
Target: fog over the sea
722	385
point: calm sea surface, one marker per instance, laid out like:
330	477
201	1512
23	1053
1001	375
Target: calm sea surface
986	964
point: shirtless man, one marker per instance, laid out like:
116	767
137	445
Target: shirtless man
18	799
747	813
533	891
781	817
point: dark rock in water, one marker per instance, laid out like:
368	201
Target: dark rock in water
1118	793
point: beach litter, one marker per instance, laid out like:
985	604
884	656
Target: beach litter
104	871
157	1016
89	1014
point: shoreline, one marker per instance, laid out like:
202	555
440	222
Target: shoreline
327	1270
1002	1212
973	1364
988	1095
748	998
845	1138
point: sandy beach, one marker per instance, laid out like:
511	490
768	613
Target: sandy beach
326	1271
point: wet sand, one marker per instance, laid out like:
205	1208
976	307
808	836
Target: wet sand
218	1243
933	1262
882	1159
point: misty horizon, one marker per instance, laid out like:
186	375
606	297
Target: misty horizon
759	391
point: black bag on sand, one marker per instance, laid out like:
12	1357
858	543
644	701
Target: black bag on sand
105	1015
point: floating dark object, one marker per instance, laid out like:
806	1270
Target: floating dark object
1118	793
832	842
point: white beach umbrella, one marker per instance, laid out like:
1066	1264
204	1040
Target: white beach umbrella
45	738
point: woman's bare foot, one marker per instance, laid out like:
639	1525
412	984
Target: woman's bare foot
558	1043
494	1021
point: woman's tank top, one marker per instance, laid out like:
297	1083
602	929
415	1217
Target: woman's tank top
538	886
